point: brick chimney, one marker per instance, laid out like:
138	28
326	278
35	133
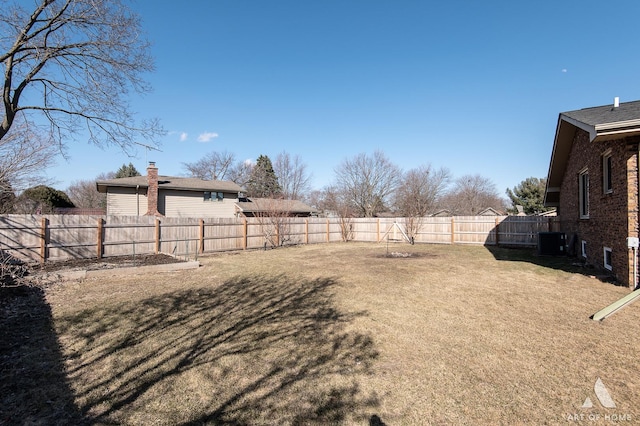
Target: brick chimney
152	190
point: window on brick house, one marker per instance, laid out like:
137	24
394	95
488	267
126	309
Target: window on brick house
606	173
607	258
584	194
584	249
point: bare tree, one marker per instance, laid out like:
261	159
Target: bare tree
292	175
213	166
368	182
418	194
84	194
274	217
73	62
7	198
332	201
421	189
25	153
473	193
240	173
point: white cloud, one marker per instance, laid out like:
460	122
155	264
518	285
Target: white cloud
564	70
207	136
183	136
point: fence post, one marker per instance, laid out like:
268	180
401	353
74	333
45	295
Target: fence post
378	230
201	235
306	231
245	234
100	242
497	232
328	229
157	237
453	223
43	239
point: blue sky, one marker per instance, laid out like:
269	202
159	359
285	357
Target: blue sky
474	86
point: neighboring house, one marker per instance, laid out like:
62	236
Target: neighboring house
490	211
442	213
169	196
593	183
252	207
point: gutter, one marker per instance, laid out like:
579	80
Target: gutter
619	128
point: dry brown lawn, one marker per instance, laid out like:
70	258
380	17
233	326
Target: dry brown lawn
344	334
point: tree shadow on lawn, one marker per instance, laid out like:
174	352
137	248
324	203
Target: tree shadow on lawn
34	388
253	350
569	264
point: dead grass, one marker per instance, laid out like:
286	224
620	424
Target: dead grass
337	334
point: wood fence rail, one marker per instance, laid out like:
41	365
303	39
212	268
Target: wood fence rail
60	237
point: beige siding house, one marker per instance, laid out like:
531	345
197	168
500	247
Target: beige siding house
169	196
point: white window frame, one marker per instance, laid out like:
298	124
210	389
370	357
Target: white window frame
583	248
583	193
609	265
607	185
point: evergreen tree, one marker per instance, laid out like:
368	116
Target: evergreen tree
127	171
263	182
42	199
529	194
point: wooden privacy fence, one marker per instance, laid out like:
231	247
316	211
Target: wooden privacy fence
59	237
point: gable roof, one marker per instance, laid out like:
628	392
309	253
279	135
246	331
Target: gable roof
602	123
490	211
171	182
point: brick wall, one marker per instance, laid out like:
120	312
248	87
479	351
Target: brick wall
612	216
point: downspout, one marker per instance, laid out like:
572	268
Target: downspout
137	200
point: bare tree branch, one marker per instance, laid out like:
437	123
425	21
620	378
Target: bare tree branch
368	181
473	193
418	195
292	175
24	155
74	62
213	166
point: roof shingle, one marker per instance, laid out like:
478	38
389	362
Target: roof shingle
172	182
606	113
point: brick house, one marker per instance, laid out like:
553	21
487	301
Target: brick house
593	182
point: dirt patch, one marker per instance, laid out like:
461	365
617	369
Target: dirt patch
106	263
404	255
18	273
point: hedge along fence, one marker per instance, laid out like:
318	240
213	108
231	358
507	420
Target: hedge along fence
60	237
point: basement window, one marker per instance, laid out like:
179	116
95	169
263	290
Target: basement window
607	258
584	193
583	247
606	173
